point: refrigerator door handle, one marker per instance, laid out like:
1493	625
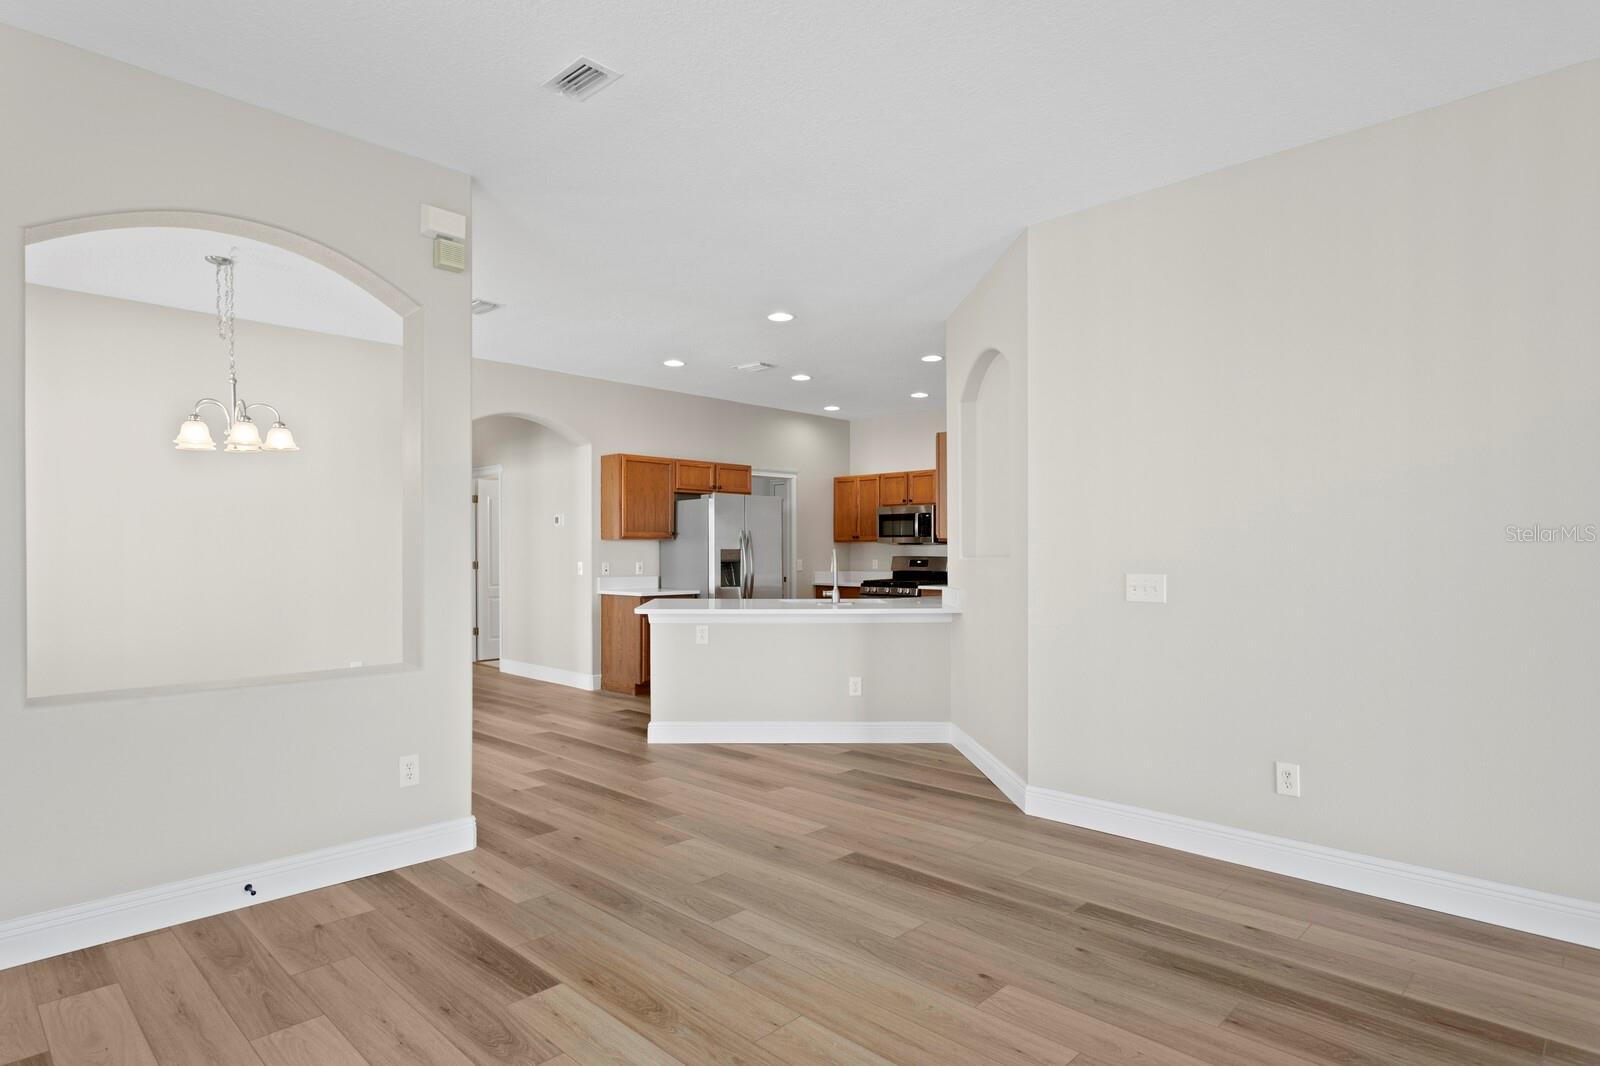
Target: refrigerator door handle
749	566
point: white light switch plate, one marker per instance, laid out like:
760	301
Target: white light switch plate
1146	588
605	569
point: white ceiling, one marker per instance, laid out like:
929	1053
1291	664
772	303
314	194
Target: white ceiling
860	164
167	266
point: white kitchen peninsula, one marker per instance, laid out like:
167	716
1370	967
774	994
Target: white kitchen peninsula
780	671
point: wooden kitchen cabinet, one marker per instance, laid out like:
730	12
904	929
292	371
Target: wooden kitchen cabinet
908	486
844	508
941	503
625	644
855	508
691	475
636	497
867	500
733	478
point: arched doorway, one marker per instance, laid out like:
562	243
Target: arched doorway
532	585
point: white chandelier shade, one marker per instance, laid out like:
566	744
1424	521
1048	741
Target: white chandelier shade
243	435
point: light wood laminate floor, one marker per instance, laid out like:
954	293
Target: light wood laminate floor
798	904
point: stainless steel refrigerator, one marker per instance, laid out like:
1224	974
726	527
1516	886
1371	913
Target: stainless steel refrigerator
728	546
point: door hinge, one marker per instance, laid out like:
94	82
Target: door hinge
474	564
474	630
474	497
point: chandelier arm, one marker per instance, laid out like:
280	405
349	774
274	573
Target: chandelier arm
218	404
276	417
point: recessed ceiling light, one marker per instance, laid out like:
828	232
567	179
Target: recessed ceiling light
930	358
672	362
780	316
799	377
831	407
919	396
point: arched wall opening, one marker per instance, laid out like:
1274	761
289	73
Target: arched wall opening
987	480
548	614
149	569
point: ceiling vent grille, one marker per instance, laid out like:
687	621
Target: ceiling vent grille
755	368
582	79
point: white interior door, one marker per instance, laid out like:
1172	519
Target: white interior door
486	571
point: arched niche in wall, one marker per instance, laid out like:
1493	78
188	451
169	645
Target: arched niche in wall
988	459
153	569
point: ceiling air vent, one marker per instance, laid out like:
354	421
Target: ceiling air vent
582	79
755	368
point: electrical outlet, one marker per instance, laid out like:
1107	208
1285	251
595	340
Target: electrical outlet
799	564
1288	778
580	567
605	569
1147	588
702	634
410	771
855	686
638	568
874	564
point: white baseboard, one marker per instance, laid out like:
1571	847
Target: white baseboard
799	732
1004	778
49	933
569	678
1560	917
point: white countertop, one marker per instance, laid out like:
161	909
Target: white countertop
789	612
649	592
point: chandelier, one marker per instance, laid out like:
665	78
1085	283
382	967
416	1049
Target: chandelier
243	434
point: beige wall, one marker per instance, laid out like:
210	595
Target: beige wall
1314	390
120	794
135	548
989	645
544	618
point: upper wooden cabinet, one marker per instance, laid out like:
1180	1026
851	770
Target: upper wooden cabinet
733	478
855	508
844	508
908	486
636	497
941	503
867	499
695	476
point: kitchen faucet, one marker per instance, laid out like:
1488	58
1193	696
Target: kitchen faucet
836	576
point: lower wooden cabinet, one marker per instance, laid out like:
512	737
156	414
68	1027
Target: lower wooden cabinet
625	643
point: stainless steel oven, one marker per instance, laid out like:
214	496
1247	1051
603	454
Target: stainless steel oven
910	523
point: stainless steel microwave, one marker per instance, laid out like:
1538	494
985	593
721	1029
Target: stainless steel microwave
910	523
